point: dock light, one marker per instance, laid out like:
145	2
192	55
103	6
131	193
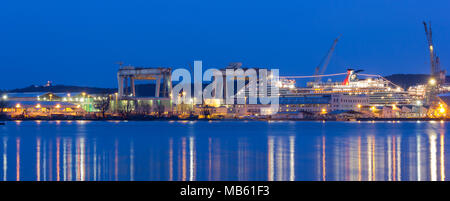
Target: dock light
432	81
18	105
58	106
38	105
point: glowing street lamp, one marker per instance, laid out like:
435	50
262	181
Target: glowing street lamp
432	82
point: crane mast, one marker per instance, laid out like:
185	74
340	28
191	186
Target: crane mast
320	69
429	34
437	75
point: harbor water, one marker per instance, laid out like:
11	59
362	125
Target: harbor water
223	150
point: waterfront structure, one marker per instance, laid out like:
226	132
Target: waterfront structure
131	74
352	98
82	100
86	101
349	102
127	100
34	109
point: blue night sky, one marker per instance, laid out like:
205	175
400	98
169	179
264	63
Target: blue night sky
79	42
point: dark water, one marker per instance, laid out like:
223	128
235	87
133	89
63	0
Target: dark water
83	150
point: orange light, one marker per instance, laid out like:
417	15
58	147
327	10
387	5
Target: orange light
38	105
58	106
18	105
359	105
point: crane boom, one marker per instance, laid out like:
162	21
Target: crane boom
428	33
320	69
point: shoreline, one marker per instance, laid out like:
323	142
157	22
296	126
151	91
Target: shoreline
193	119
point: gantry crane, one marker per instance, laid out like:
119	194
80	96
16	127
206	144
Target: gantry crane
320	69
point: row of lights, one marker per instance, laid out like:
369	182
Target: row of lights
39	106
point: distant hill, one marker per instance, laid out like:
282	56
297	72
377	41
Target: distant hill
65	89
407	80
143	90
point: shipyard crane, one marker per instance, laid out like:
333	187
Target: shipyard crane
320	69
434	60
437	75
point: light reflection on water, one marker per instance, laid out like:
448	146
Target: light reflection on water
360	151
